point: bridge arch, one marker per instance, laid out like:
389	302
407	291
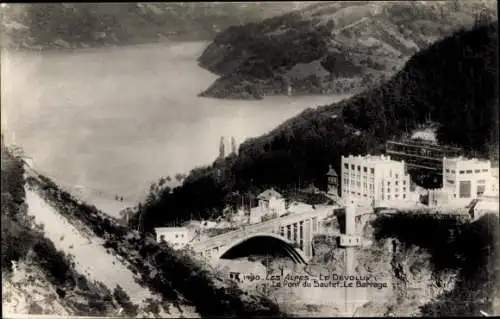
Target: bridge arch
295	254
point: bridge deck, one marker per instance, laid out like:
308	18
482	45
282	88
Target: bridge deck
254	228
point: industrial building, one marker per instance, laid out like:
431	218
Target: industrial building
421	154
466	178
369	179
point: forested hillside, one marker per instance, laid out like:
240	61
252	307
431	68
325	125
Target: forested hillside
453	82
76	25
331	47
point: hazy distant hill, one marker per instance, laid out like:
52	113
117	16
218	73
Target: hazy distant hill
330	47
69	25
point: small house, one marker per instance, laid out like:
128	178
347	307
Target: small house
177	237
270	201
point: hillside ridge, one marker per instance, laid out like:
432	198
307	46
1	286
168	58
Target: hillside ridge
358	44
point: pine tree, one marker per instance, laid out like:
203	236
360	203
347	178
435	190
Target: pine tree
222	152
233	145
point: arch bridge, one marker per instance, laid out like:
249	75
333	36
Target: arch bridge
290	235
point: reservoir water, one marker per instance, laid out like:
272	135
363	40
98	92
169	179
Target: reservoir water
113	120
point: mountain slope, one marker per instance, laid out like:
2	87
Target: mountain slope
57	25
453	83
181	282
37	278
315	49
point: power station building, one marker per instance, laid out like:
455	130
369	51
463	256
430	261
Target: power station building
421	154
466	178
370	179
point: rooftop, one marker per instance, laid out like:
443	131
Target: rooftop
268	194
467	160
331	171
170	229
375	159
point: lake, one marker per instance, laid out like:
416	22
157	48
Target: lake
113	120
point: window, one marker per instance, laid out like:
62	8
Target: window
453	171
485	170
404	195
359	168
176	235
396	195
450	181
481	181
447	170
346	166
477	171
352	167
469	171
397	178
404	182
404	189
388	196
365	169
372	170
388	190
396	183
388	183
396	190
461	172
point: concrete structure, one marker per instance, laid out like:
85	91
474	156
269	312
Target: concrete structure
420	154
438	197
270	201
333	182
295	231
178	237
353	296
369	179
466	179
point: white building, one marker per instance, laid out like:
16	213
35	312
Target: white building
465	179
270	201
177	237
367	180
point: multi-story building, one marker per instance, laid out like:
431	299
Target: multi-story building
466	179
370	179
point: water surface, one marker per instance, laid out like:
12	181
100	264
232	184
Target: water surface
113	120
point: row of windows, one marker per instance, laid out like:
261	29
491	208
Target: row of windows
358	193
396	190
396	182
358	167
469	171
396	196
358	183
481	181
